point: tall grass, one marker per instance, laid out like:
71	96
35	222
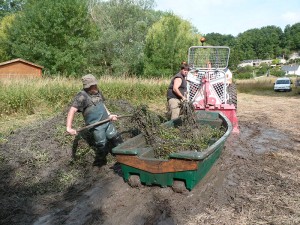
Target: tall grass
135	90
262	85
27	96
254	85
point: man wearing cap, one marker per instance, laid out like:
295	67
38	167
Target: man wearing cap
177	91
90	102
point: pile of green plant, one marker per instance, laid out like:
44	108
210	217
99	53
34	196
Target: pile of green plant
146	122
188	136
170	140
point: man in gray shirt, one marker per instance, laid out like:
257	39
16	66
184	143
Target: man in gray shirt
177	91
90	102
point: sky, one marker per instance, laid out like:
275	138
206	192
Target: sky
233	16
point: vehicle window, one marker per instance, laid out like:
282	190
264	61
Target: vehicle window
282	82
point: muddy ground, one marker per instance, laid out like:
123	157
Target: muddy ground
255	181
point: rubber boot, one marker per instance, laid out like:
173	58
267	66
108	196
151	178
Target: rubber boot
100	156
116	140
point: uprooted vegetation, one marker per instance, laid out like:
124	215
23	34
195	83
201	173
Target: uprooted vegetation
166	139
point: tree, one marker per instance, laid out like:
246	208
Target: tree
217	39
5	25
261	43
167	44
294	37
10	7
123	25
54	34
286	42
271	45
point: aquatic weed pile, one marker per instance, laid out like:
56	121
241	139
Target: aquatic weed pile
188	136
147	122
189	120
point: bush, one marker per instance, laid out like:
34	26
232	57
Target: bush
276	71
263	69
245	69
243	76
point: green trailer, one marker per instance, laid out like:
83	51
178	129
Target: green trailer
182	170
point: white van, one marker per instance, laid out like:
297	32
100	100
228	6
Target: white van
283	84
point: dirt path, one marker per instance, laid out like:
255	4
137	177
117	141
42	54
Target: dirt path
255	181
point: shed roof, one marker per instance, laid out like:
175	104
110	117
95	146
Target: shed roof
21	60
290	68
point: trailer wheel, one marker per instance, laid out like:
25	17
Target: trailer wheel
179	186
232	92
134	181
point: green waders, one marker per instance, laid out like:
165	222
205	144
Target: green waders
101	133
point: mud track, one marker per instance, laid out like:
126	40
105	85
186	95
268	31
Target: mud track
255	181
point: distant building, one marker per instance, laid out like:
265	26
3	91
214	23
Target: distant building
251	62
267	61
20	68
291	69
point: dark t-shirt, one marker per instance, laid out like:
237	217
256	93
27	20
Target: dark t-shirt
83	100
182	88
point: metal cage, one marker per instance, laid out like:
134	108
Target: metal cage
211	62
208	57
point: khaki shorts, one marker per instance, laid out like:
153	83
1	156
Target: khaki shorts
173	108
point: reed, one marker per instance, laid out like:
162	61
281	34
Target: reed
27	96
250	85
264	85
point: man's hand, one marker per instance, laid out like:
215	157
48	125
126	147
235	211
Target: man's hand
71	131
183	99
113	117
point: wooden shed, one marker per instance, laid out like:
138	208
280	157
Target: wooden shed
20	68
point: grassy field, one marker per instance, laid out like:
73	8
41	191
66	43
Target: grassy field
263	85
25	100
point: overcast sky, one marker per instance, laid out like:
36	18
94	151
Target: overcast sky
233	16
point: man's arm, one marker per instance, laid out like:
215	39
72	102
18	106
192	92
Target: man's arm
112	117
70	118
177	83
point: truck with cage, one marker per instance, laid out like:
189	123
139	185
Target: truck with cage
210	81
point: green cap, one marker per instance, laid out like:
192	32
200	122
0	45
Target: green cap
89	80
